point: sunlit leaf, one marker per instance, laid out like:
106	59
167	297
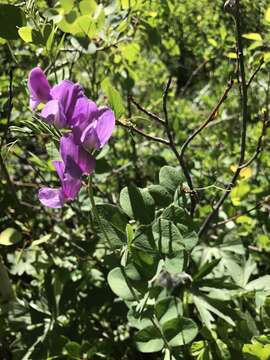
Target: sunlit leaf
10	237
253	36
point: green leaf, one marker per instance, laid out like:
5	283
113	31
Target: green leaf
138	204
120	284
205	305
205	314
161	196
114	98
114	222
253	36
144	239
25	33
206	269
262	283
117	237
42	240
256	351
145	262
6	292
87	25
175	264
114	215
170	178
180	331
11	18
138	320
67	5
130	51
168	308
10	237
267	15
87	6
184	222
69	24
73	349
149	340
167	237
52	151
178	216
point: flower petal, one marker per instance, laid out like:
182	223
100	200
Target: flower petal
71	186
85	109
53	113
67	93
60	168
89	137
76	159
39	87
52	198
105	125
98	133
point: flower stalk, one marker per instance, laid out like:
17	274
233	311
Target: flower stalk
95	212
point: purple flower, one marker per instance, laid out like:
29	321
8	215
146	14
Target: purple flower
39	87
92	126
70	186
76	162
60	109
76	159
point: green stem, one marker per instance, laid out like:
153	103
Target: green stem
95	212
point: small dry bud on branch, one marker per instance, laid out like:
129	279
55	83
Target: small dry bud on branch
230	6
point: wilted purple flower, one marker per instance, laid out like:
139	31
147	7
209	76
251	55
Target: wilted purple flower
76	162
39	87
92	126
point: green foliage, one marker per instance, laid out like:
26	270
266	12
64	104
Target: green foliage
159	286
11	17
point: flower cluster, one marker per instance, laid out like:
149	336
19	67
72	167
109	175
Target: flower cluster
91	127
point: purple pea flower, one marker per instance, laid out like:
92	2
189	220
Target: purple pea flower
70	186
59	110
92	126
39	87
59	101
76	162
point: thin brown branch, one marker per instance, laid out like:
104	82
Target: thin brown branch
140	132
210	118
244	101
260	142
236	216
193	194
194	73
255	72
147	112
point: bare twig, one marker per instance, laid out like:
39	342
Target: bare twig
194	73
244	98
193	194
236	216
133	143
260	141
255	72
140	132
210	118
149	113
